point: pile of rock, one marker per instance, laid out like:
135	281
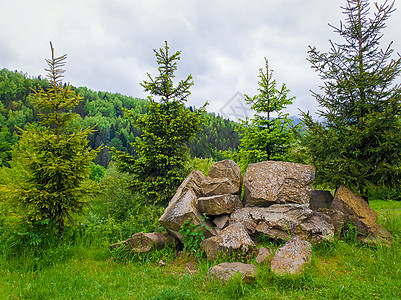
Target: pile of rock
278	202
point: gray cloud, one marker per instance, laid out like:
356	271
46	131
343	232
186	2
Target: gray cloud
223	43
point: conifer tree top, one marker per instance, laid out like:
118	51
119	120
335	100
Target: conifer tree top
163	85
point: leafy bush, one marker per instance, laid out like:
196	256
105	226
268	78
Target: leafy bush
193	236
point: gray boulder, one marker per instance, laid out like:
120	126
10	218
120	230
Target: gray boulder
279	221
224	177
184	205
292	257
219	204
227	169
219	186
275	182
355	209
225	271
320	199
234	239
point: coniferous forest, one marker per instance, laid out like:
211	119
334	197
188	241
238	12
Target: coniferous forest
107	111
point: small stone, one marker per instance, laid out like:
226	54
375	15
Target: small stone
161	263
225	271
263	255
378	235
292	257
221	221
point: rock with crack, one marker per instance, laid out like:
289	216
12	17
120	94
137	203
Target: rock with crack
225	271
219	186
292	257
224	177
279	221
227	169
234	239
337	218
184	205
219	204
276	182
355	209
319	227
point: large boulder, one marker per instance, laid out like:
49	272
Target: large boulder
234	239
355	209
225	271
227	169
292	257
219	186
224	177
320	199
184	205
276	182
219	204
279	221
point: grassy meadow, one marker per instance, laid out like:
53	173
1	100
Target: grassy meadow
84	267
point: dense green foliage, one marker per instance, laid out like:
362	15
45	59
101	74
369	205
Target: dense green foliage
161	153
107	111
54	162
358	144
265	137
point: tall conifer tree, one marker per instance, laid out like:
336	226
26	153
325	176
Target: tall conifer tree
161	152
55	159
358	144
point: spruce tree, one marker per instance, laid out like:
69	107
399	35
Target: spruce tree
55	159
357	141
265	137
159	165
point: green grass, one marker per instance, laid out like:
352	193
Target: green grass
88	270
386	209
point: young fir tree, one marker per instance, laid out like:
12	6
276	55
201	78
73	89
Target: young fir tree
359	142
162	153
265	137
55	160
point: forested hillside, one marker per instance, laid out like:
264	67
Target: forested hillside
101	108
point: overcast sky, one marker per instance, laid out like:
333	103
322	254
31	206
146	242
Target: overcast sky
110	43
